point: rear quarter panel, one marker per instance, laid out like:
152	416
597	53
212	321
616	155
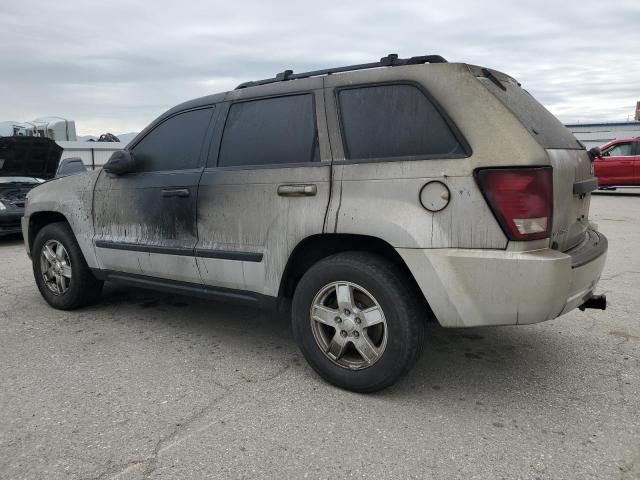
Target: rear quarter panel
382	198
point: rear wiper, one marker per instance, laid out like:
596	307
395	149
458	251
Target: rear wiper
494	79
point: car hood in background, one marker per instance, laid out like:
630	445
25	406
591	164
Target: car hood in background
15	194
29	157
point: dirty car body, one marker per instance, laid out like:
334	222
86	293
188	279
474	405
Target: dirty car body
449	177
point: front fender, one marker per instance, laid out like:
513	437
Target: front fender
71	197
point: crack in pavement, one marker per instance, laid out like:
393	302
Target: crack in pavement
119	470
184	430
616	275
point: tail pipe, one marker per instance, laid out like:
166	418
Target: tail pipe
598	302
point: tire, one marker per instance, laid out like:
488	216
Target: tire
383	300
79	286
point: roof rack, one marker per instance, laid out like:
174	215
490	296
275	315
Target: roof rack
390	60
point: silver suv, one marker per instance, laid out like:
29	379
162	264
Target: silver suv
373	196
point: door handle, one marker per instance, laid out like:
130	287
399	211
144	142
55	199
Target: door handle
290	190
176	192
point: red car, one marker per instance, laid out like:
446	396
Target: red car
619	163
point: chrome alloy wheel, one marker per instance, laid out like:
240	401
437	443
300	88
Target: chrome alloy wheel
55	266
348	325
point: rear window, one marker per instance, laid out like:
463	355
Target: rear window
548	131
392	121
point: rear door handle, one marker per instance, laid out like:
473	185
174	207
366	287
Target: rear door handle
291	190
176	192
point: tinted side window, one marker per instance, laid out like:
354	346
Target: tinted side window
393	121
70	167
174	144
270	131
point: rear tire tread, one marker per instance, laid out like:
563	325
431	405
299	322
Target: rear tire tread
402	302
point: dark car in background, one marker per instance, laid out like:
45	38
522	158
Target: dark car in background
13	192
25	162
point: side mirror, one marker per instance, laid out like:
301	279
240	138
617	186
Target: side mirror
120	162
594	153
70	166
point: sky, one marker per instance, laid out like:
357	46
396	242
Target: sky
114	66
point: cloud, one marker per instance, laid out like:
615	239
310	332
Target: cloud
114	66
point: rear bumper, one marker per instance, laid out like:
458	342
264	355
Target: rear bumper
587	263
469	288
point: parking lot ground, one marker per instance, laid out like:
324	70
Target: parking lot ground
145	385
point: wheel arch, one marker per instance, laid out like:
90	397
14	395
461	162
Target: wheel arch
314	248
39	220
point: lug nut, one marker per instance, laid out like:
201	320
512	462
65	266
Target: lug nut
343	333
338	319
358	320
347	312
356	334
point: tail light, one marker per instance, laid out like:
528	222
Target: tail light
521	200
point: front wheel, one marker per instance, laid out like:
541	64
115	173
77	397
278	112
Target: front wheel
60	270
357	321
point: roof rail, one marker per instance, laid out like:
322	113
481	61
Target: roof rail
390	60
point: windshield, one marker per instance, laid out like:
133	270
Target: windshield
20	180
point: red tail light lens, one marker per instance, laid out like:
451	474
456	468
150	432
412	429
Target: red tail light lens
521	200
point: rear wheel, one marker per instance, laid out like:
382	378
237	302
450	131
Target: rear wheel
357	321
60	270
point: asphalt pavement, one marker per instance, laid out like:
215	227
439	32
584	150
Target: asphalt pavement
147	385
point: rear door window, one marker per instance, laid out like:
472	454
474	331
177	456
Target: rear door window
270	131
174	144
393	121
